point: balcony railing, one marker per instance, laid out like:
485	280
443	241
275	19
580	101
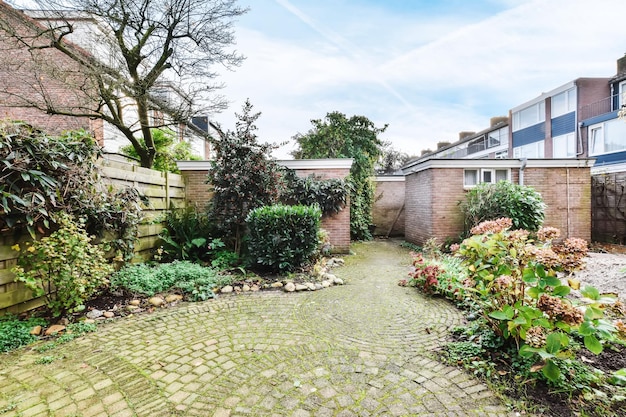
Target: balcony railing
606	105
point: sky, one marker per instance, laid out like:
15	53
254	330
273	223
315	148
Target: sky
427	68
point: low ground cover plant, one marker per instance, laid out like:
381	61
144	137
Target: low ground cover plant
195	281
15	332
523	322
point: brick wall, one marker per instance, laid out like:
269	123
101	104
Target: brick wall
388	212
39	79
433	194
418	226
337	226
567	194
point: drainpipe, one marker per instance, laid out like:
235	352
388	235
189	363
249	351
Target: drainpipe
568	205
580	140
521	170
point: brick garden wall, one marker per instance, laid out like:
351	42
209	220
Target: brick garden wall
338	226
388	212
433	194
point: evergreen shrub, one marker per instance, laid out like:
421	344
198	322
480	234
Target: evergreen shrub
283	238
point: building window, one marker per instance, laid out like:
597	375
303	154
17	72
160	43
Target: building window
564	146
529	116
498	137
622	94
485	175
502	155
564	103
607	137
532	150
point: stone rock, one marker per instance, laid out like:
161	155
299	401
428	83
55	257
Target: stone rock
318	286
89	321
329	277
326	284
156	301
277	284
290	287
254	288
172	298
245	288
338	281
36	331
301	287
227	289
310	286
55	328
132	308
237	288
134	302
94	314
109	314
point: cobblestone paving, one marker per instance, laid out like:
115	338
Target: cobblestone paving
362	349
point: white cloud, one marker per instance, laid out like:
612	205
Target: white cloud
428	76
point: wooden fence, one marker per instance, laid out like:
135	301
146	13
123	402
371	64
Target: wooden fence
608	208
164	190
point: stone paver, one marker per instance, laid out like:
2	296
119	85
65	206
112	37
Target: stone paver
362	349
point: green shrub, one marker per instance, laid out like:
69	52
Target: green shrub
283	238
193	280
515	284
522	204
329	194
65	267
15	333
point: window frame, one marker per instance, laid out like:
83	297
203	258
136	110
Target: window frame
570	103
479	176
540	113
567	145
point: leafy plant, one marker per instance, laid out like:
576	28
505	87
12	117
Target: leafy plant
242	178
65	267
15	333
283	238
186	235
522	204
515	284
329	194
42	175
195	281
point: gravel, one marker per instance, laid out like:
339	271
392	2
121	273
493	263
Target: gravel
606	272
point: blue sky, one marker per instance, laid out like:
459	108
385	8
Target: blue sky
429	69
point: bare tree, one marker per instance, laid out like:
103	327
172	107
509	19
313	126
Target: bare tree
136	59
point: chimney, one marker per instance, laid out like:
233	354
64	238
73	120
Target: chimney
426	152
463	135
442	145
497	120
621	65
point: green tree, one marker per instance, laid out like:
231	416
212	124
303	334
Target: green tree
168	151
242	177
336	136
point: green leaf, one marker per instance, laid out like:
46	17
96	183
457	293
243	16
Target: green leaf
561	290
198	242
527	351
529	276
553	343
586	328
499	315
534	292
590	292
551	371
593	344
552	281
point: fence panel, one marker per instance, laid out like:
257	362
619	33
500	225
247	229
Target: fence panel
164	190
